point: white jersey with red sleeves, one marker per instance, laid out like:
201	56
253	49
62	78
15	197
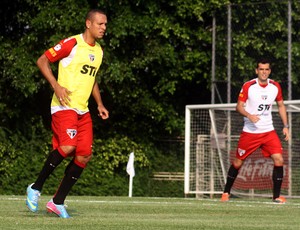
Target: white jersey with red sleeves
78	66
259	100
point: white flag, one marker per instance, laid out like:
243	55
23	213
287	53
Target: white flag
130	165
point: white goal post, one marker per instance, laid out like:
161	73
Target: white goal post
211	136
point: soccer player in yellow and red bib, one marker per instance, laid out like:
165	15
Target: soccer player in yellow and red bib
255	105
79	57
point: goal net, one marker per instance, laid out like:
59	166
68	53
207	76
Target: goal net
211	136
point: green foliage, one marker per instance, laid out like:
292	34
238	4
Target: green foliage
112	153
150	51
20	156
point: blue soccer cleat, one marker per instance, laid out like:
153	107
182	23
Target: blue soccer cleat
32	200
58	209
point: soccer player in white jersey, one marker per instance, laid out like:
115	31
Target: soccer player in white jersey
255	105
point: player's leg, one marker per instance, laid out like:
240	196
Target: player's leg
63	144
72	174
277	178
54	159
231	176
273	148
60	122
247	144
76	166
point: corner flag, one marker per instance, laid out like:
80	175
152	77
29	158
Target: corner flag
130	165
131	172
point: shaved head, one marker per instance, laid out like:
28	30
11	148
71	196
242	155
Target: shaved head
91	13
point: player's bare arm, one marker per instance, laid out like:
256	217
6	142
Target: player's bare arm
240	108
283	116
61	93
103	112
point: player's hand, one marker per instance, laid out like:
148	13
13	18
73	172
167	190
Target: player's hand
253	118
286	134
103	112
62	94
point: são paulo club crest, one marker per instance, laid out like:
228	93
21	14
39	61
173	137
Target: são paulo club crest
72	133
264	97
92	57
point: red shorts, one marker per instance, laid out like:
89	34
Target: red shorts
72	129
269	143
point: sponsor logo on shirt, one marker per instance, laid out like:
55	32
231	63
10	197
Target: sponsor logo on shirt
263	107
88	69
52	52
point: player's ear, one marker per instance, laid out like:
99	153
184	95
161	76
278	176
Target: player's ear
88	24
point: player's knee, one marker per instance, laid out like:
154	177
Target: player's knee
87	159
83	159
278	162
278	159
68	149
237	163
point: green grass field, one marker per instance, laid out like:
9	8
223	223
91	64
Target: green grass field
90	213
